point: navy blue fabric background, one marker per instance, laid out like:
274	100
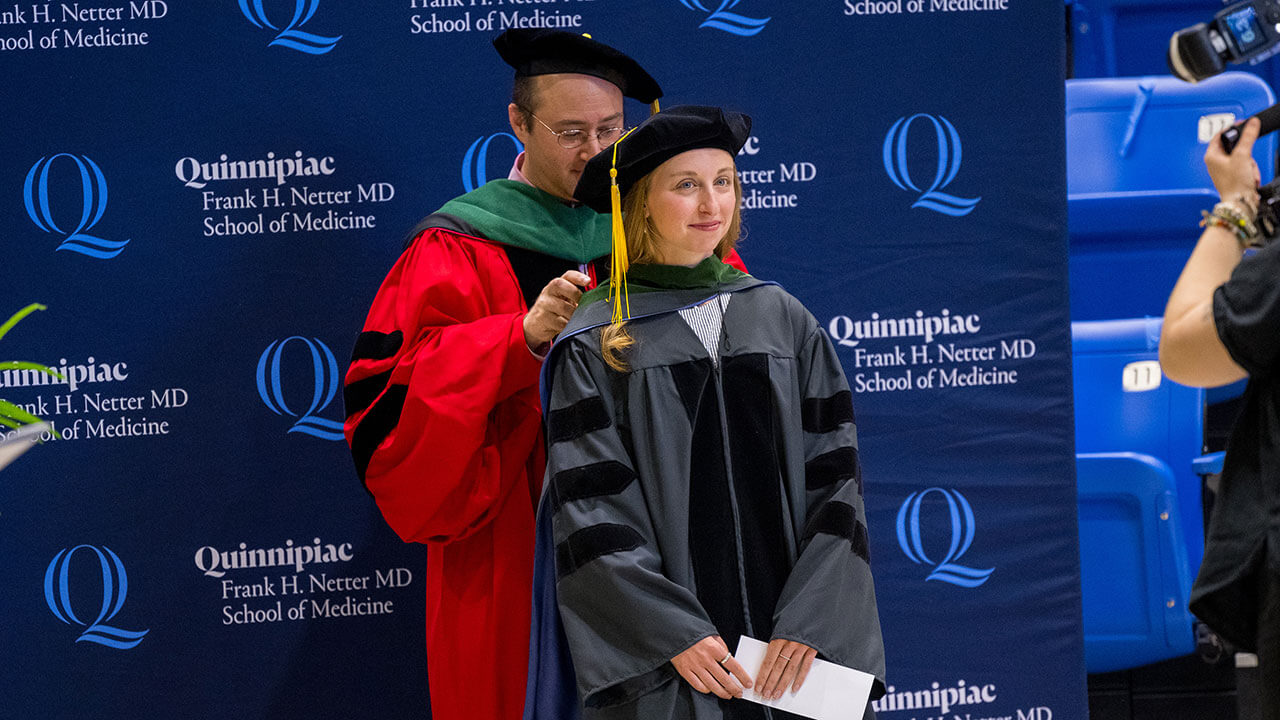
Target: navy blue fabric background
960	480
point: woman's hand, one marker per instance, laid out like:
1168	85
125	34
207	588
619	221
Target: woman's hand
1235	175
786	662
701	666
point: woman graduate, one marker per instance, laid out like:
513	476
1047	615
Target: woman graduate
702	478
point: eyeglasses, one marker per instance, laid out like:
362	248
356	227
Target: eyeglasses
570	139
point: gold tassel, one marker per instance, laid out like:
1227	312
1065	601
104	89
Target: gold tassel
653	108
618	254
619	262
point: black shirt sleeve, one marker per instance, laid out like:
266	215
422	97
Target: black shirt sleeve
1246	312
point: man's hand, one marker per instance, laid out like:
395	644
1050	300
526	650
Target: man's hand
552	310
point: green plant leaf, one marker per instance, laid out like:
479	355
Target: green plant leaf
17	317
12	415
9	410
15	425
19	365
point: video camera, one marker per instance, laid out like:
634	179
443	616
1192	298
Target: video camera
1268	219
1242	32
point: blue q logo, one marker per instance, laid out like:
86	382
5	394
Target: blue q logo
475	162
325	368
115	586
291	37
732	23
895	163
962	529
93	188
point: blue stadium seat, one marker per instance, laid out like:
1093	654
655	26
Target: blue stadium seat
1136	182
1135	579
1210	464
1119	38
1141	514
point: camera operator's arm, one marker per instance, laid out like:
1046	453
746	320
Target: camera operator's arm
1191	351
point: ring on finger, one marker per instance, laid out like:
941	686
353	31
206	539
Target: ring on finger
725	659
785	658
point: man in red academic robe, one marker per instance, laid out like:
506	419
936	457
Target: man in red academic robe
443	414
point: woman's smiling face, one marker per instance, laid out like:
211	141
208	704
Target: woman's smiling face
691	205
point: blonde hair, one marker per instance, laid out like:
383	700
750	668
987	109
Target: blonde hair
642	247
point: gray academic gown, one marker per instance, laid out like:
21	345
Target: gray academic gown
690	499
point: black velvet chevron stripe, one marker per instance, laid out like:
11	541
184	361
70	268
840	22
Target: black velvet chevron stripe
595	480
360	394
832	467
593	542
578	419
839	519
372	345
820	415
376	425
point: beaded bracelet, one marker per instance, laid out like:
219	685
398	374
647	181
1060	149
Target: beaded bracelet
1248	205
1228	215
1211	220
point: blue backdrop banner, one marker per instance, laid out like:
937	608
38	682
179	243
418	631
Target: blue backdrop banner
207	195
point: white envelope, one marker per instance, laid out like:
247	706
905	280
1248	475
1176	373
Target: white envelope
830	692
